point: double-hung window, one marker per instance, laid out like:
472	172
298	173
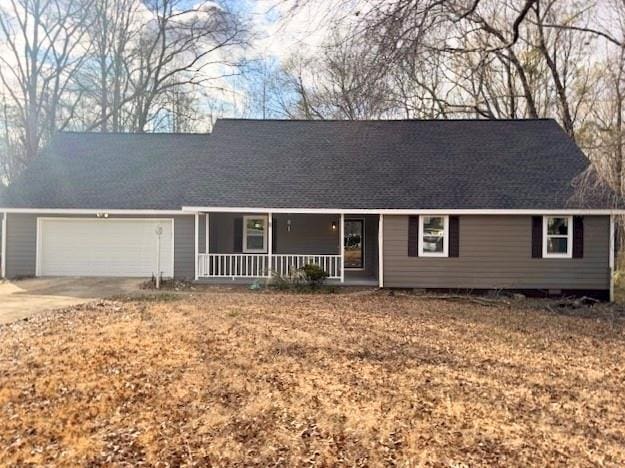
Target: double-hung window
557	236
254	234
433	236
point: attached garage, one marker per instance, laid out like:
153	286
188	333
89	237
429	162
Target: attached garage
104	247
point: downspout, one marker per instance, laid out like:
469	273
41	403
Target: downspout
611	260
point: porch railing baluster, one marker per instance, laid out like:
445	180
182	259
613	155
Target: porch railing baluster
216	265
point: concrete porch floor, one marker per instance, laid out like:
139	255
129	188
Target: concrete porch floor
365	282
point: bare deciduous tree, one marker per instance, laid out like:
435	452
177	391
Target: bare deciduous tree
180	47
342	83
120	65
106	75
43	50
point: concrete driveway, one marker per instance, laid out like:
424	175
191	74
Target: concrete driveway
21	299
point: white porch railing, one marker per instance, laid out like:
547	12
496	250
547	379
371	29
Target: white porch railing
232	265
216	265
331	264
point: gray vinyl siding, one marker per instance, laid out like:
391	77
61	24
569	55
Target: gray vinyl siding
22	243
310	234
221	226
184	253
495	252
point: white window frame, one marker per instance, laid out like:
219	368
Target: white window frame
265	231
569	237
445	252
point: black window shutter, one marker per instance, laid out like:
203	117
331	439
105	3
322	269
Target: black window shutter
537	236
454	236
413	236
274	234
238	235
578	237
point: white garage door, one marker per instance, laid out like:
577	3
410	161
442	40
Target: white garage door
103	247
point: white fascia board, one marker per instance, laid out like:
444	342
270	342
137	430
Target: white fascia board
538	211
190	210
70	211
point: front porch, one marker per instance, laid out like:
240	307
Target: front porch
243	247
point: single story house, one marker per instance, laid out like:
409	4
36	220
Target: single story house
454	204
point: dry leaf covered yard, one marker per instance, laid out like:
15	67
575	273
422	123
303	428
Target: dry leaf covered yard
360	379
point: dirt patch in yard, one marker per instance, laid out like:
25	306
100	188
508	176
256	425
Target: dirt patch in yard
281	379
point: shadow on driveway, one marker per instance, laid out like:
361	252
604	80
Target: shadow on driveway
24	298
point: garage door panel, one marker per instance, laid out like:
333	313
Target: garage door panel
110	247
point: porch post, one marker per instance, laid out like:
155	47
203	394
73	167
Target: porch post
197	240
381	250
3	249
206	250
342	247
270	242
611	260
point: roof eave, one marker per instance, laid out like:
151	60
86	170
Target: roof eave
391	211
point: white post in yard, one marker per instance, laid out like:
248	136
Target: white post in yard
197	240
381	250
159	231
3	250
342	247
269	242
611	260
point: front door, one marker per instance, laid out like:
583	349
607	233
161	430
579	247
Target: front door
353	243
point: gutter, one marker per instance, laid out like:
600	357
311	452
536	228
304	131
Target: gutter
97	212
385	211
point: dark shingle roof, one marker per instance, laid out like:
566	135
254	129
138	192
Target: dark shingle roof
109	170
442	164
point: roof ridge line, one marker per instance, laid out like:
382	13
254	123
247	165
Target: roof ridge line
237	119
79	132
